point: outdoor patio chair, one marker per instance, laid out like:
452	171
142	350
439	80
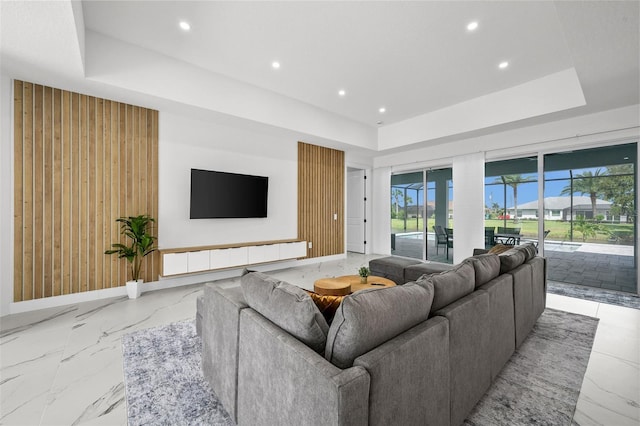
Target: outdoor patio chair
441	238
535	242
449	233
489	236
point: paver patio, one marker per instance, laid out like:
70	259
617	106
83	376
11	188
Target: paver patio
595	265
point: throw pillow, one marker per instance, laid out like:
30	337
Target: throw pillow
499	248
327	305
368	318
287	306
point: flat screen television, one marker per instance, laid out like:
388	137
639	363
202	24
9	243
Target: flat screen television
227	195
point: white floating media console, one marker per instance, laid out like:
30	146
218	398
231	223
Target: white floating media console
199	259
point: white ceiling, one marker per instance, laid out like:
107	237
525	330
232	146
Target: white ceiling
413	58
410	57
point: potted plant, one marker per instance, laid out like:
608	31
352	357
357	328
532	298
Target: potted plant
364	273
135	228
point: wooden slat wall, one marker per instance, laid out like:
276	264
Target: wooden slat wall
80	163
320	196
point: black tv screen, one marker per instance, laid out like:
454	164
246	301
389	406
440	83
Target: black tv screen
227	195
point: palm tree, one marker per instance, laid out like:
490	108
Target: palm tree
586	183
513	181
396	194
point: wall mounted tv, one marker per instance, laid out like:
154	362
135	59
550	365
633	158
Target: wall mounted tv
227	195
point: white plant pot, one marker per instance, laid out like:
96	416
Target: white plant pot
134	289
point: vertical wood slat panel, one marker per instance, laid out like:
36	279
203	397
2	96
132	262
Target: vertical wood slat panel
38	195
80	163
84	204
75	195
18	93
320	195
65	210
27	202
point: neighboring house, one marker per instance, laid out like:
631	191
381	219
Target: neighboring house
559	208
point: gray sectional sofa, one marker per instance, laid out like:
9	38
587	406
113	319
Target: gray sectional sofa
420	353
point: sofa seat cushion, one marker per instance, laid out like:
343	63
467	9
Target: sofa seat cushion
287	306
368	318
451	285
486	267
392	267
414	272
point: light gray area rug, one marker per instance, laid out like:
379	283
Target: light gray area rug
541	382
601	295
163	378
539	385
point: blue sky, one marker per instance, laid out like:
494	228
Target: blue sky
494	193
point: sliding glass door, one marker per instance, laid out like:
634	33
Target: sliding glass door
511	201
416	213
590	217
407	215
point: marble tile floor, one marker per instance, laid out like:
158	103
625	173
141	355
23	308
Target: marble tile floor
63	366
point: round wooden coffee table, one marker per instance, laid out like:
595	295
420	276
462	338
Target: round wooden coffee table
347	284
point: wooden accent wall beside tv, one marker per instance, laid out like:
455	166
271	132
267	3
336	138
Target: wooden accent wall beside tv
80	163
320	197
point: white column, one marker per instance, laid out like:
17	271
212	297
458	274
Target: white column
381	218
468	205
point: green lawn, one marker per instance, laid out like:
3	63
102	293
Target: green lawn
529	228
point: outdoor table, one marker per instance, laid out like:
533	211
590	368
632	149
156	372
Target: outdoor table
508	239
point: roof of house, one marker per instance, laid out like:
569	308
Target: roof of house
560	203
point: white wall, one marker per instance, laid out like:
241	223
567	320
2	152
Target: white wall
586	130
187	143
468	205
552	93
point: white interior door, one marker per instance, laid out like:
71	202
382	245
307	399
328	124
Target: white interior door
356	211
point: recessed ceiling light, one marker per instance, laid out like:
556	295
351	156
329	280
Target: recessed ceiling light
185	25
379	123
341	92
382	110
472	26
275	65
503	65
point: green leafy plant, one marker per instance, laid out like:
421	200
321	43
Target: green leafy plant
588	229
136	229
364	272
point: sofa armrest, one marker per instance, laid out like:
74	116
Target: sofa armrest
281	381
410	376
220	324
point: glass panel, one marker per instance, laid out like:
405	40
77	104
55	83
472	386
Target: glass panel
511	202
407	215
590	215
439	245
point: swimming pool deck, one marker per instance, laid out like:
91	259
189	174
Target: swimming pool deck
605	266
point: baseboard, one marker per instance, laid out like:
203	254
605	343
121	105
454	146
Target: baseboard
161	284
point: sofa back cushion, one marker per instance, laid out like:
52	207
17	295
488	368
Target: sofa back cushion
368	318
287	306
529	251
486	267
511	259
451	285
